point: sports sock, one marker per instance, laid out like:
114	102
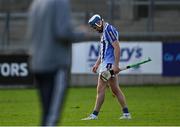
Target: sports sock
95	113
125	110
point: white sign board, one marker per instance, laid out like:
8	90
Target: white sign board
85	54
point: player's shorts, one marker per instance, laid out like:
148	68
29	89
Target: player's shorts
105	67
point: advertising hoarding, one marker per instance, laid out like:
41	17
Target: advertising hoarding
85	55
171	59
14	69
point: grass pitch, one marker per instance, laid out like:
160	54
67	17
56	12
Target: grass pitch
150	106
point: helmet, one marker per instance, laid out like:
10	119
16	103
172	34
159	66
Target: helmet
94	20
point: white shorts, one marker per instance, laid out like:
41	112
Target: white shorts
105	67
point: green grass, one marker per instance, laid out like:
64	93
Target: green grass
19	107
149	106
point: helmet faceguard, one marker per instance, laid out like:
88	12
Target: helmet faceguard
94	21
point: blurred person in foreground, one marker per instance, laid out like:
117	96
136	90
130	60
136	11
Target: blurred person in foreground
108	60
50	33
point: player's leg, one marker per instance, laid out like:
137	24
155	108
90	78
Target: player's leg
113	82
101	87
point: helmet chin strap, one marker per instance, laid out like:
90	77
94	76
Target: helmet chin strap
98	25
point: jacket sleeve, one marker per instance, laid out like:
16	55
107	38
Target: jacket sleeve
63	26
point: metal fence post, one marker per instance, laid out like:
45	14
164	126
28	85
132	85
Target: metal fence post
6	33
150	23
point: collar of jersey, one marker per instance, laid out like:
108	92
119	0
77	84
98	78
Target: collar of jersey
105	26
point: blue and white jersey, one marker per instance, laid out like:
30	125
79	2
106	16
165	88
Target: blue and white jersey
109	36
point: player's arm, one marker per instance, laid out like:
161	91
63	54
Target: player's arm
114	40
116	56
96	65
98	61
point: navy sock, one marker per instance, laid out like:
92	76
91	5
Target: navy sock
125	110
95	113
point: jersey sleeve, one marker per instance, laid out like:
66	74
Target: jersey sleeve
112	34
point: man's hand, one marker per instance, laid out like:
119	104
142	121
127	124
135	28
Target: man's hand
116	69
94	68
